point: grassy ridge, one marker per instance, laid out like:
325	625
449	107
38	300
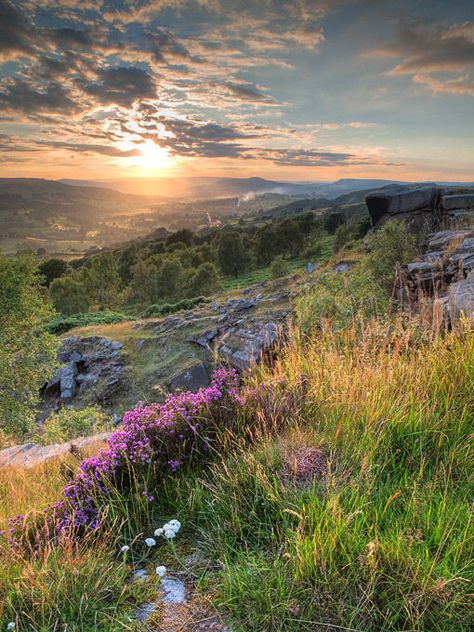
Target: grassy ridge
380	538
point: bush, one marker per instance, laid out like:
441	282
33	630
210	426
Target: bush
392	245
27	350
169	308
69	424
279	268
61	324
341	299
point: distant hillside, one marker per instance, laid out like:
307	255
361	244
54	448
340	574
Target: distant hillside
208	187
37	213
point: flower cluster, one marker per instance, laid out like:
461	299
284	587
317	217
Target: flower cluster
169	530
155	438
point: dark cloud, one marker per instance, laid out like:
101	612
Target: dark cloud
246	92
305	157
439	57
106	150
68	37
21	96
121	86
15	30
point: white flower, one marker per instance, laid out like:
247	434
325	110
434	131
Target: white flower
11	626
161	571
158	532
150	542
170	534
175	525
124	548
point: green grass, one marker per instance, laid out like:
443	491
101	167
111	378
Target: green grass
382	541
385	540
295	264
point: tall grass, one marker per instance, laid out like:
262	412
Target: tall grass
76	586
385	540
380	538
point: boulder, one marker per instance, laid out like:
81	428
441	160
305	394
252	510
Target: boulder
461	298
445	238
399	199
462	259
425	272
246	346
343	266
32	454
192	378
457	201
68	380
89	361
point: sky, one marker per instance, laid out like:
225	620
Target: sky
309	90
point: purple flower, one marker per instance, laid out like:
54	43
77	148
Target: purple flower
153	440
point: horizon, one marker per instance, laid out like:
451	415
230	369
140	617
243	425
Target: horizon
306	91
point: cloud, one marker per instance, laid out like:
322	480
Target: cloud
304	157
21	96
120	86
441	58
15	31
246	92
460	85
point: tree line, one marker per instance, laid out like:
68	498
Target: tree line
181	265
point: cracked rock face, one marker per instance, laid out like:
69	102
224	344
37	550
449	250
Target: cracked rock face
446	272
92	370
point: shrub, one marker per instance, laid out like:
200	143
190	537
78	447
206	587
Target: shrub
169	308
341	299
279	268
392	245
152	443
69	424
61	324
27	350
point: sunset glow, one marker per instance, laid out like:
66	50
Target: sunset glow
295	90
152	157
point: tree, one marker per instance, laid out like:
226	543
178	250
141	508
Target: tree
266	244
27	350
102	280
184	236
306	224
145	282
332	221
69	295
289	236
170	279
232	253
53	269
204	280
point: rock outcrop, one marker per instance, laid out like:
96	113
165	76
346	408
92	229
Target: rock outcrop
192	378
445	273
426	205
32	454
92	372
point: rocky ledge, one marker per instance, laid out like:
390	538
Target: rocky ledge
422	205
32	454
445	273
93	369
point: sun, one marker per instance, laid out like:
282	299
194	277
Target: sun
153	156
149	156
